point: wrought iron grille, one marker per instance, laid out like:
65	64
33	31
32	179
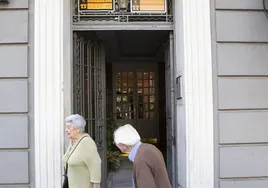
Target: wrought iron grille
121	17
89	89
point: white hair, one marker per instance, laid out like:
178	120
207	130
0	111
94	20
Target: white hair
126	135
77	121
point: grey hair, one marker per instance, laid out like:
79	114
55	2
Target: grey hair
77	121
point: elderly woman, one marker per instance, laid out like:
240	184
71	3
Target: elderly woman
84	163
149	169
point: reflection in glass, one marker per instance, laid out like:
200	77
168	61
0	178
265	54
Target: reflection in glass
118	115
122	116
130	90
131	115
140	108
152	91
118	83
124	83
139	90
118	109
124	99
130	107
151	115
124	107
118	90
145	99
151	107
124	90
151	75
152	99
145	75
146	83
118	99
146	91
139	83
145	106
146	115
151	83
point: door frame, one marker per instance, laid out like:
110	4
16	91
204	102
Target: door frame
53	90
171	119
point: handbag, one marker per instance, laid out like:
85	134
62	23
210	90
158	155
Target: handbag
65	181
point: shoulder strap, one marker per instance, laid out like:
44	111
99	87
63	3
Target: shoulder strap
75	148
66	169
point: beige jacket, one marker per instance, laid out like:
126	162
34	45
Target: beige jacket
84	165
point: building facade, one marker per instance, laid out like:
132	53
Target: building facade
218	85
17	94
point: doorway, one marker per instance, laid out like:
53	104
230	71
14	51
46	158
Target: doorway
126	75
135	96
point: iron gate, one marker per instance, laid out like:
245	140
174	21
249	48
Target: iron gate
170	112
89	91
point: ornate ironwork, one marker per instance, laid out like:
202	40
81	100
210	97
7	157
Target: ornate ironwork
116	16
89	90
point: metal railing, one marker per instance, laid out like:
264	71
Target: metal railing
118	16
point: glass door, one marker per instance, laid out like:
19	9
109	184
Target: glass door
135	97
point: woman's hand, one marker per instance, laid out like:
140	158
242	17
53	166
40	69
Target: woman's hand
96	185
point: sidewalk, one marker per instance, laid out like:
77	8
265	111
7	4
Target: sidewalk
123	177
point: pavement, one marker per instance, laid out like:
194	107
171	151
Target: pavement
123	177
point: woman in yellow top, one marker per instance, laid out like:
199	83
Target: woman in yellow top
84	163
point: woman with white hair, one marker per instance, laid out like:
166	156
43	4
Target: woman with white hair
149	169
82	161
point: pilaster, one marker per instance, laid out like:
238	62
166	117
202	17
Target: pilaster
48	92
194	64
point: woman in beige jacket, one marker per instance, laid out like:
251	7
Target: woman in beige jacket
84	163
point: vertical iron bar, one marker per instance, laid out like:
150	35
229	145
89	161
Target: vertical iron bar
91	88
95	95
78	89
88	88
74	68
83	61
79	104
98	92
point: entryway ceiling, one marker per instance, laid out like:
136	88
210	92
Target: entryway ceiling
128	44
